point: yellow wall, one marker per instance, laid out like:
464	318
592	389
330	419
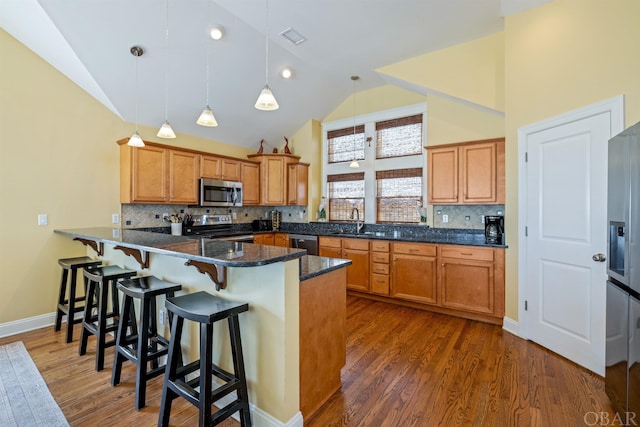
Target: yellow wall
58	155
307	143
561	56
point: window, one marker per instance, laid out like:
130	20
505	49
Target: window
346	191
399	137
399	194
344	146
389	185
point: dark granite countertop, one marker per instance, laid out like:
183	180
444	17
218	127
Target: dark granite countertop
211	251
312	266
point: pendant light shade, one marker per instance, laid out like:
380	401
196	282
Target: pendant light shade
354	163
266	101
165	130
206	118
136	140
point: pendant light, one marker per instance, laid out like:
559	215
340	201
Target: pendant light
354	163
266	101
165	130
136	140
206	117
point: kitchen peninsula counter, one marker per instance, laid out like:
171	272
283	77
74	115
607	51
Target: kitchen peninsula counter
296	321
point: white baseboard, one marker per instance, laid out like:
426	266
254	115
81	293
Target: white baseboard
28	324
511	326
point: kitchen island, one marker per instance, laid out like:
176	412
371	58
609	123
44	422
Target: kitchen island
280	285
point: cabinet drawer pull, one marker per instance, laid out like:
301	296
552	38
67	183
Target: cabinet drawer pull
414	250
465	253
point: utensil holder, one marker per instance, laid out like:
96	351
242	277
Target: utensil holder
176	228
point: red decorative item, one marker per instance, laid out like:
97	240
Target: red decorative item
261	147
286	146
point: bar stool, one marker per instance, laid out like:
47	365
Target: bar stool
145	345
205	309
67	304
100	281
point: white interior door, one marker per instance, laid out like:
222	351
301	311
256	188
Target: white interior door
565	208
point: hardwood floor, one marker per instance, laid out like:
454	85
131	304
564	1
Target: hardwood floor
405	367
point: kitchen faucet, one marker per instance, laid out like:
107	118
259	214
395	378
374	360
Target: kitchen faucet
359	225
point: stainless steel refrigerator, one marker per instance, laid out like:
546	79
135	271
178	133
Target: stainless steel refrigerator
622	375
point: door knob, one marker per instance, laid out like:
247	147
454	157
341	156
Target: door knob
599	258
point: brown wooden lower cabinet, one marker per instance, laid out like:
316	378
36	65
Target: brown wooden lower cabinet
465	281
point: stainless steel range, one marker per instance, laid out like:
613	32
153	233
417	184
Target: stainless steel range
216	227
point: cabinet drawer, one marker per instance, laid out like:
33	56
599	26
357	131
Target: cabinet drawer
467	252
414	249
379	246
380	268
380	284
331	242
380	257
360	244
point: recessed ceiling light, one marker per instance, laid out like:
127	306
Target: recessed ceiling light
286	73
217	32
293	36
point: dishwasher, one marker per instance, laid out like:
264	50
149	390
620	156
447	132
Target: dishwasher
304	241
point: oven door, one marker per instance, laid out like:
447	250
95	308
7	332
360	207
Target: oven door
220	193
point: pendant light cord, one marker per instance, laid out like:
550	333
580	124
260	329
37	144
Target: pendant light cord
166	68
266	56
208	48
137	60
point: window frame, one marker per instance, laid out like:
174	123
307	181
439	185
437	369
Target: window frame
370	164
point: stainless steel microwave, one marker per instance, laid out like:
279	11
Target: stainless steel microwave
214	192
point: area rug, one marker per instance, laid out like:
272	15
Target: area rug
25	399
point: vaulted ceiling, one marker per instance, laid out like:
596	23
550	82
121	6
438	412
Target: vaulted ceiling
90	41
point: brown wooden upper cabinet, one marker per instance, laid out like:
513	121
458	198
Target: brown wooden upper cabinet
274	171
298	184
157	174
250	177
466	173
220	168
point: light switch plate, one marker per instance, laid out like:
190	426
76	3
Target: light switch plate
43	219
115	218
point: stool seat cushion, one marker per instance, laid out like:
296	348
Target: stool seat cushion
203	307
77	262
139	287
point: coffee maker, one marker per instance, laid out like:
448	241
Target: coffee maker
493	229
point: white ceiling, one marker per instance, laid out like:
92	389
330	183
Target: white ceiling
89	41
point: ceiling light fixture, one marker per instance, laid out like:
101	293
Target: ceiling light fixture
286	73
165	130
206	117
266	101
136	140
293	36
217	31
354	163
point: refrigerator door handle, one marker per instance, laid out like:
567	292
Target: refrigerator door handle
599	258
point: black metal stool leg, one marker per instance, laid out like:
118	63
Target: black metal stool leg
238	368
143	352
90	298
61	299
168	393
121	340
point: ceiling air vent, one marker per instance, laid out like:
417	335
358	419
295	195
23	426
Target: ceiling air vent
293	36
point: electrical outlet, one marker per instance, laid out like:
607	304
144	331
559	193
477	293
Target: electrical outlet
161	317
234	215
165	215
43	219
482	219
445	218
115	218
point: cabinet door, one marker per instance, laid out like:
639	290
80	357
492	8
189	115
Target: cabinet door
210	167
230	170
281	239
250	183
264	239
467	285
149	174
184	168
272	181
442	175
414	278
298	183
358	271
478	173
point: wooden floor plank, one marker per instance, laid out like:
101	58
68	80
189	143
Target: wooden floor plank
405	367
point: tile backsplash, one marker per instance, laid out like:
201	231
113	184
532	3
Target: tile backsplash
464	216
142	215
